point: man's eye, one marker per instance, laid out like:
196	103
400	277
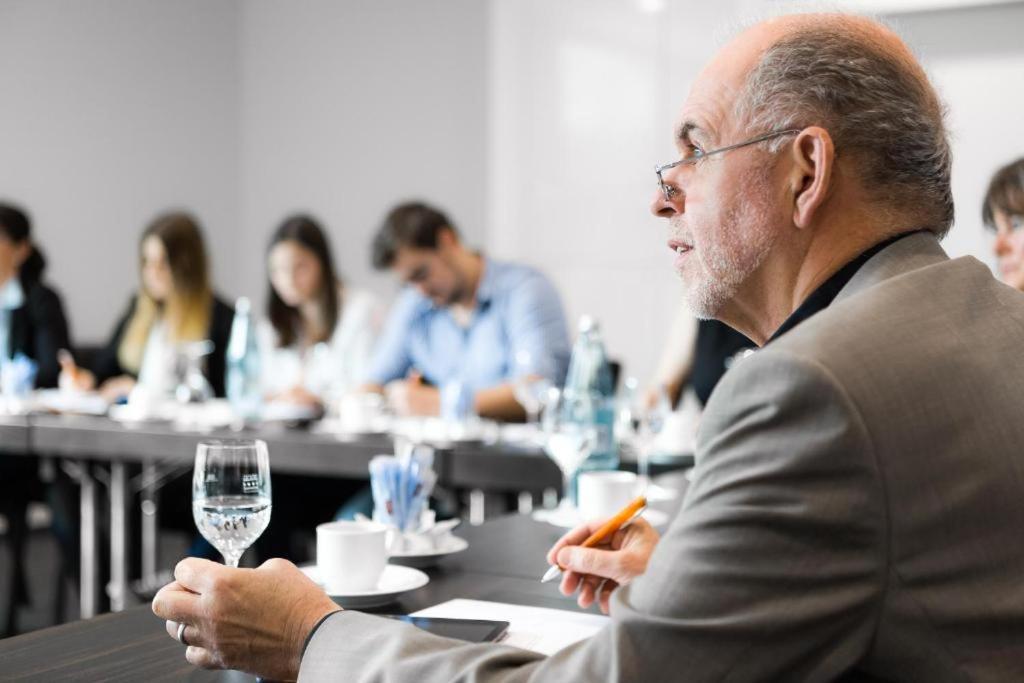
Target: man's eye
693	151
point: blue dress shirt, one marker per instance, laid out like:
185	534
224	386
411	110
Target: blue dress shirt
517	309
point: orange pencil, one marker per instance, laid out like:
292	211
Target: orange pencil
621	519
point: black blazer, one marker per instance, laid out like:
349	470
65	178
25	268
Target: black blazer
106	364
38	330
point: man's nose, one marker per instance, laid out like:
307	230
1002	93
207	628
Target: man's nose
666	207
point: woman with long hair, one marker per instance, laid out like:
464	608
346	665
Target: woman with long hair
174	305
315	347
320	332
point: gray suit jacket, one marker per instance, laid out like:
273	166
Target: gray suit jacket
857	511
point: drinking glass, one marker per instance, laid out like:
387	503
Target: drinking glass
193	386
569	444
649	426
531	390
231	494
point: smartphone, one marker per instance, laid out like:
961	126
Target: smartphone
471	630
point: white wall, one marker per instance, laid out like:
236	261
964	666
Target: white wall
535	123
976	59
347	108
110	112
113	110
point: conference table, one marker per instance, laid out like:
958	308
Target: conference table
503	563
98	452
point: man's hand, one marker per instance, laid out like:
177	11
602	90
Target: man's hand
254	620
412	397
596	572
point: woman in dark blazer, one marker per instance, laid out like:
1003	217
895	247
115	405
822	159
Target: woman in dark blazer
32	324
32	321
175	304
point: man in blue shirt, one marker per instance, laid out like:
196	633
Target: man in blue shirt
466	327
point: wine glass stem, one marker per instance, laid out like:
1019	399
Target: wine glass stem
643	464
232	560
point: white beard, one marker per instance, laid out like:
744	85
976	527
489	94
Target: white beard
719	266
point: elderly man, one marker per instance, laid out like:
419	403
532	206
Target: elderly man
859	491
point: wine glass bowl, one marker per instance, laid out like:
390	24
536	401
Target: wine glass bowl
231	501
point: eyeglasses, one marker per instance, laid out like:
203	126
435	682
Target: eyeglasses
698	155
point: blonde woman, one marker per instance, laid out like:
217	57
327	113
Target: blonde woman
174	305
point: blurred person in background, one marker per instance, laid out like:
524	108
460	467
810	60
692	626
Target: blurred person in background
696	353
451	344
319	334
32	321
33	326
175	304
315	346
1003	213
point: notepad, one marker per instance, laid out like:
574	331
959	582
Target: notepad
531	628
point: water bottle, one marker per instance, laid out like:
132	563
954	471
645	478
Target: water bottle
589	396
243	364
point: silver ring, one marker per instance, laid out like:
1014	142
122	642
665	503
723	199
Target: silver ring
181	634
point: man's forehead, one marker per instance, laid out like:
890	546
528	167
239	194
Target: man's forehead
714	92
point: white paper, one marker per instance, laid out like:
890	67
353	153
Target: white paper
531	628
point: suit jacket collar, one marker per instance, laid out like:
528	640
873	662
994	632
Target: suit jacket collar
914	251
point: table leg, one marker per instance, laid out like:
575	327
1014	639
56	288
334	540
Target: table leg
150	508
88	586
88	571
118	588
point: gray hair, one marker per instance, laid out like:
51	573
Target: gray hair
878	106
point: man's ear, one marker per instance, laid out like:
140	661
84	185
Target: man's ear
814	156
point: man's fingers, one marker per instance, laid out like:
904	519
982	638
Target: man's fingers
197	574
588	591
192	635
198	656
174	603
606	594
572	537
603	563
570	582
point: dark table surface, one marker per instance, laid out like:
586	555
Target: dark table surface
503	564
14	434
296	451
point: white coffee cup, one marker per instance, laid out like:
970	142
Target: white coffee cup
601	494
351	556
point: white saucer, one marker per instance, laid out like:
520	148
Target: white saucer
568	518
451	545
395	581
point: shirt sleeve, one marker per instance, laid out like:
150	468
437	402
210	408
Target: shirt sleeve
392	360
536	324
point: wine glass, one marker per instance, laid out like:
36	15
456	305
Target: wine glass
193	386
567	442
530	389
231	494
651	422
